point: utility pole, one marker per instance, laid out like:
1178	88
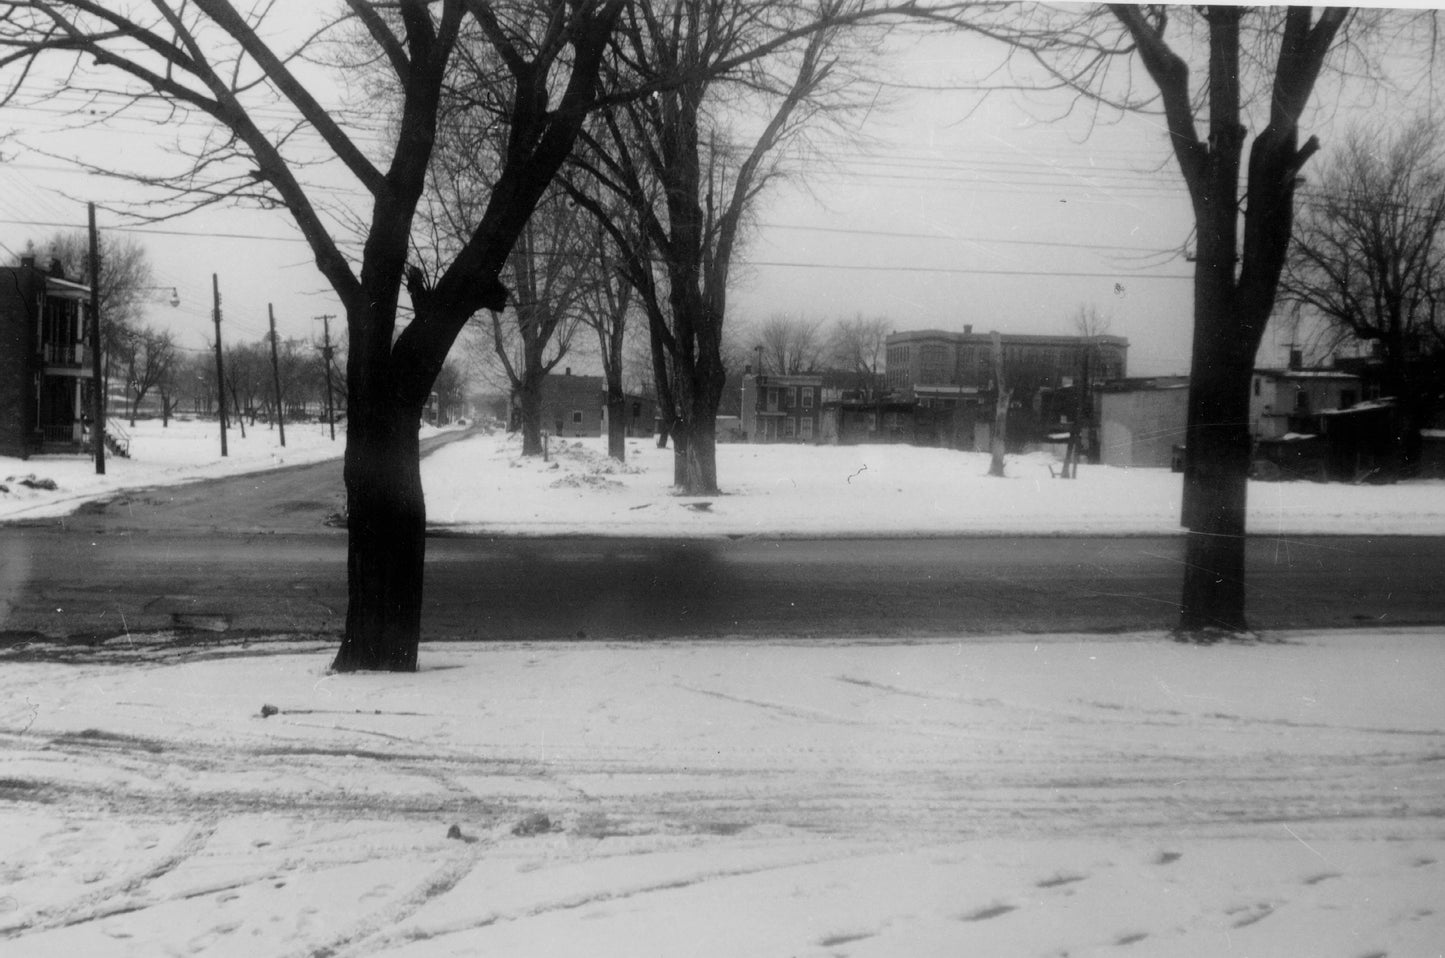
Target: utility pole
276	376
220	369
326	358
997	438
97	384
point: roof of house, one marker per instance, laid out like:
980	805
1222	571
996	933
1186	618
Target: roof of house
1143	384
1013	339
1305	374
792	379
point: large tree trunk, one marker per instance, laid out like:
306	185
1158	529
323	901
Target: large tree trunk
1216	467
695	435
616	421
695	461
386	550
529	401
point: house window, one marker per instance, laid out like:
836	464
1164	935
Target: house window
805	428
1302	402
1347	398
576	417
772	399
637	410
808	397
790	397
790	428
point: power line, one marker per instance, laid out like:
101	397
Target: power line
962	270
965	239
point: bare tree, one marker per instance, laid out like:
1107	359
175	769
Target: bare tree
126	279
607	308
211	59
151	360
1368	259
791	344
126	282
451	387
551	267
859	345
248	379
691	181
1232	304
1266	59
1088	324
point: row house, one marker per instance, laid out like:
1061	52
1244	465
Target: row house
45	363
782	408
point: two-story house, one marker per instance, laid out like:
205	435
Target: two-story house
45	368
782	408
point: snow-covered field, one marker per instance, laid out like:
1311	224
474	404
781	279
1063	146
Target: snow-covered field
1015	795
484	484
1072	796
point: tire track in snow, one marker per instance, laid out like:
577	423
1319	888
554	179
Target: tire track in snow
103	903
572	902
377	931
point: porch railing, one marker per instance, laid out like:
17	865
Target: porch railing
117	440
60	434
63	354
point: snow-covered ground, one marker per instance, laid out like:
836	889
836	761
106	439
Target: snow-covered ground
483	483
1014	795
1036	797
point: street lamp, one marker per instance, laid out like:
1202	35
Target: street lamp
175	299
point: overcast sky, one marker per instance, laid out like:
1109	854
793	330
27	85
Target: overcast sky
942	214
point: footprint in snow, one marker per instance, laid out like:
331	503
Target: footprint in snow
992	911
1254	913
833	941
1321	877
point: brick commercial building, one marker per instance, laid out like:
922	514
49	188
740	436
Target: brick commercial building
45	369
931	357
952	376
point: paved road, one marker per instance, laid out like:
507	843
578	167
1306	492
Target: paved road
252	553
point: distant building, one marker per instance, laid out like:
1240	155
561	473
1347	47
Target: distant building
45	363
1141	421
782	408
1291	400
577	406
934	358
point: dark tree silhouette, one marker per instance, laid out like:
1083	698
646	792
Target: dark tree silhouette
209	58
1369	260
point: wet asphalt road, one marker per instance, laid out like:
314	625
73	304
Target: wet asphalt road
252	554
